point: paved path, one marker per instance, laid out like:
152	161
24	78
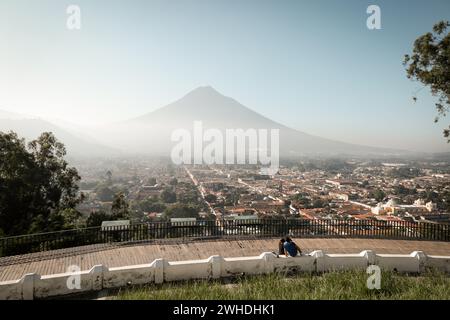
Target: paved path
58	261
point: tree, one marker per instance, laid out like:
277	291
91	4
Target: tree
318	203
104	193
96	218
120	208
168	196
378	195
181	211
151	205
36	185
302	200
173	181
231	197
211	198
18	182
404	172
401	190
71	218
108	176
430	64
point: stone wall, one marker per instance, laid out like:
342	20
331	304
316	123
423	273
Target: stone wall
100	277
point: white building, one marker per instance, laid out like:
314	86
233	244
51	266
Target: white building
391	207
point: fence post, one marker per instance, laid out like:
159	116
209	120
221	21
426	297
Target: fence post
216	266
369	255
319	260
28	282
96	273
268	258
159	265
422	257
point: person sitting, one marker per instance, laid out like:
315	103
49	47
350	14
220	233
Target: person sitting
281	247
290	248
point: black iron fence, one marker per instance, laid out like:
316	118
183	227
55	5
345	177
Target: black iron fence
224	229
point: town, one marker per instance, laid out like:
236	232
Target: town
357	189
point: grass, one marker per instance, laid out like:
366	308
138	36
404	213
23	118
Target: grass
333	285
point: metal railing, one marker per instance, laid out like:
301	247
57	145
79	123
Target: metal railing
224	229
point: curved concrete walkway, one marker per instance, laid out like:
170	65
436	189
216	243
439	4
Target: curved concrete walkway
58	261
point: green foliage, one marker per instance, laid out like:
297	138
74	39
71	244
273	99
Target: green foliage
401	190
329	165
96	218
71	218
181	211
211	198
168	196
318	203
442	199
444	202
173	181
189	195
429	63
231	197
302	199
429	195
104	193
404	173
36	185
378	194
344	285
120	209
108	177
151	205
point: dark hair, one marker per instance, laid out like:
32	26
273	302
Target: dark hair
288	239
281	246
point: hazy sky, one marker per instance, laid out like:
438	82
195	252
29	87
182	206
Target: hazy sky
311	65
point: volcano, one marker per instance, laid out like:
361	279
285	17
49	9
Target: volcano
151	132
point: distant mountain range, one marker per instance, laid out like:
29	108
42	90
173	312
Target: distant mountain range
150	133
77	144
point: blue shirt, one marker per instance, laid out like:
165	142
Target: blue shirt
290	248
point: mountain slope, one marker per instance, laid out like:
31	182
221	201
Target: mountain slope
151	132
30	129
